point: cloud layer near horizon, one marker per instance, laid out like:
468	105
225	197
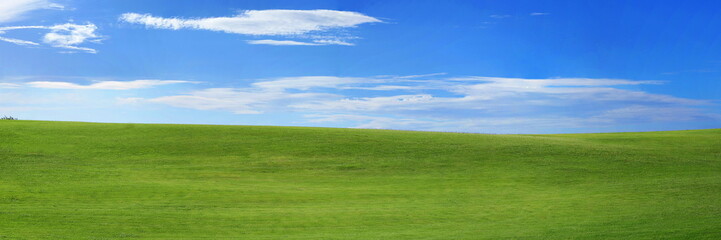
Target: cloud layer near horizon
419	102
449	104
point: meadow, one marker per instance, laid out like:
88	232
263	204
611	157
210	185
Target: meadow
71	180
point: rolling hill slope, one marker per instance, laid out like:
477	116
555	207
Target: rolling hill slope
66	180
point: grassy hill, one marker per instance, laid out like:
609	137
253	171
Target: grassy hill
65	180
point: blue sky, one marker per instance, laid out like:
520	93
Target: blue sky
463	66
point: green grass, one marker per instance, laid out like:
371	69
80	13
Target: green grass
66	180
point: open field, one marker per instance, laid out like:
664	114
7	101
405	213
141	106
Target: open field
65	180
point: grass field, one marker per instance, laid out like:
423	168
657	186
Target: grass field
65	180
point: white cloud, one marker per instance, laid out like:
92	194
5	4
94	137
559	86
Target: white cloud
239	101
67	36
332	42
297	43
260	22
522	124
264	23
556	81
478	104
476	125
539	13
239	106
18	41
70	35
321	42
10	85
12	10
307	82
281	43
390	103
422	75
388	88
4	29
477	94
416	102
105	85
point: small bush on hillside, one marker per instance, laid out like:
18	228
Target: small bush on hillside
8	118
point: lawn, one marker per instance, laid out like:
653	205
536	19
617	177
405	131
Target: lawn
68	180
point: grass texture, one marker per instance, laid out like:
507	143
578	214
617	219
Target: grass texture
68	180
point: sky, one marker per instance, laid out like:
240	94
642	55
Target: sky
459	66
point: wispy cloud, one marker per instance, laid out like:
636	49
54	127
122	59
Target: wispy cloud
539	13
260	22
287	23
416	102
105	85
298	43
19	41
451	104
67	36
12	10
70	35
475	124
239	100
281	42
307	82
10	85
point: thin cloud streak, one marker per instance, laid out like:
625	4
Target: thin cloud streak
19	42
105	85
259	22
297	43
12	10
276	22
